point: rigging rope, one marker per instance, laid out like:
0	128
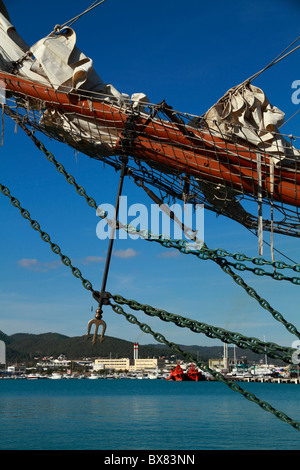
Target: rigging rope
276	60
73	20
167	242
220	195
91	202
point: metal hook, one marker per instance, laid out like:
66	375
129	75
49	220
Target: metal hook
97	321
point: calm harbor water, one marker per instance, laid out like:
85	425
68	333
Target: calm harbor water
144	415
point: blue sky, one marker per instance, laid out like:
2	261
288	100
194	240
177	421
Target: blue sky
188	53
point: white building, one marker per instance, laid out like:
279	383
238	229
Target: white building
16	369
111	364
123	364
148	364
54	363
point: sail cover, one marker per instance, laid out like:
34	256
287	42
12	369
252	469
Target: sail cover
245	113
55	60
12	46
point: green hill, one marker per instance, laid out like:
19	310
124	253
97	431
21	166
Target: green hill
26	348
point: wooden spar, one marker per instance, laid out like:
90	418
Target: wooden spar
163	143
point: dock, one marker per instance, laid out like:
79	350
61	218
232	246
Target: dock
279	380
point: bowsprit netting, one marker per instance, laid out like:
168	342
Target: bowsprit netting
194	158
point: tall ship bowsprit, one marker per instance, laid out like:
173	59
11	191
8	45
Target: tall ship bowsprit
231	154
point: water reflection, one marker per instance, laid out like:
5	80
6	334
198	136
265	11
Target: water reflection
145	415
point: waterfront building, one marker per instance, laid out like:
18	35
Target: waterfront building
54	364
16	369
148	364
111	364
220	364
125	364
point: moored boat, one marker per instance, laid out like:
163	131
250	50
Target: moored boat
193	374
55	375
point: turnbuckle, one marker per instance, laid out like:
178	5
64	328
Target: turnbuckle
102	299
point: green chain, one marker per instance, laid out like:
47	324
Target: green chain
145	328
262	302
204	253
54	247
252	343
186	247
225	336
70	179
183	246
232	385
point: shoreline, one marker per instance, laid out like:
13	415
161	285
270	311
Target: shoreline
279	380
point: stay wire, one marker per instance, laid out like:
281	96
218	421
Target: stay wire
90	8
276	60
275	249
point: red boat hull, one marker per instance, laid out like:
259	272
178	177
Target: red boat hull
192	375
162	144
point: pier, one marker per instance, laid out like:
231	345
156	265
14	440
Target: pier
279	380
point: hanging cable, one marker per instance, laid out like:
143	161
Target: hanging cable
72	21
276	60
93	5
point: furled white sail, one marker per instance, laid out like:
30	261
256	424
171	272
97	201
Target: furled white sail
245	112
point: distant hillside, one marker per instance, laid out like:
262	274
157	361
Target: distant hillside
23	347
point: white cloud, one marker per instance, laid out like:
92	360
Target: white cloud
35	265
28	263
169	254
129	253
93	259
